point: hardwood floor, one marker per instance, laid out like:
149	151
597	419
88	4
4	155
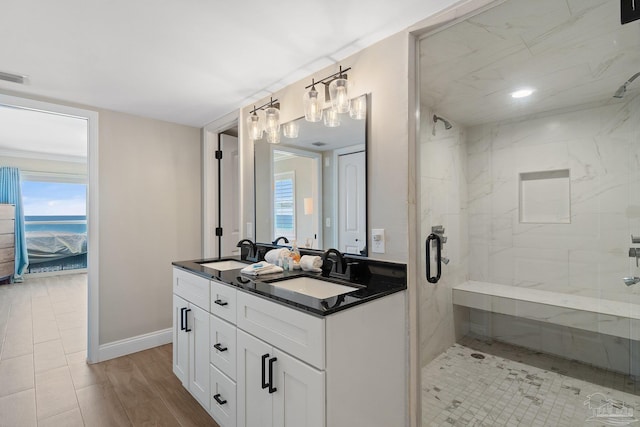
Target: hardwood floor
44	380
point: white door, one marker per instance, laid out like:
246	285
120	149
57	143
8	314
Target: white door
300	399
199	374
352	200
180	341
254	403
229	195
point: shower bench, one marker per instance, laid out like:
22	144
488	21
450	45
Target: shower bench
617	318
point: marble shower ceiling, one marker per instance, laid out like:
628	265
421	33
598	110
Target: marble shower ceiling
573	52
186	61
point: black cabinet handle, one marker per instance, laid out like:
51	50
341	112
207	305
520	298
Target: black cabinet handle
186	320
430	278
271	362
217	398
182	327
264	369
220	302
219	347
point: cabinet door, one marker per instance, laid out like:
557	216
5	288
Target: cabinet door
180	341
254	403
199	373
299	399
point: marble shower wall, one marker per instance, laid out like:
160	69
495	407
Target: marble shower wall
600	146
443	201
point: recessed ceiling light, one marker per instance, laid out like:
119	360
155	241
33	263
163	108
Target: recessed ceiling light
522	93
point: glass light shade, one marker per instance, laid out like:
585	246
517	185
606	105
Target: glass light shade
358	108
332	118
254	127
312	105
291	129
272	120
273	137
339	93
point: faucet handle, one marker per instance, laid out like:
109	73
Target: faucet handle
635	239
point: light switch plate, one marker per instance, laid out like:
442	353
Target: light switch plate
377	240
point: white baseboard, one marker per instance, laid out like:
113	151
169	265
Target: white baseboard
134	344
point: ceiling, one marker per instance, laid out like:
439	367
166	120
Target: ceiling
186	61
572	52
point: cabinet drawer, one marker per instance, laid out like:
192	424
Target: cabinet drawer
223	398
292	331
7	240
193	288
7	226
7	255
223	301
223	346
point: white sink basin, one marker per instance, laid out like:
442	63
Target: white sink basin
313	287
225	265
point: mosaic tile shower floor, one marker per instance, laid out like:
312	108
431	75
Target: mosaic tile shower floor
513	386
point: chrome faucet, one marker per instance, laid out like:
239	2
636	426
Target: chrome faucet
253	251
275	242
631	280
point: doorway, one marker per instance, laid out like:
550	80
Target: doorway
90	133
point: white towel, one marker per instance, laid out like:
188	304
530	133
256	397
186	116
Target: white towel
261	268
311	263
275	254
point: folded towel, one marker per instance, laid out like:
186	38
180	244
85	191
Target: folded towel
260	269
275	254
311	263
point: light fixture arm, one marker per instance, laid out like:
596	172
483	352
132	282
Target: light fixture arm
271	103
338	75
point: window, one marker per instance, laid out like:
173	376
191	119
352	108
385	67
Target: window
284	204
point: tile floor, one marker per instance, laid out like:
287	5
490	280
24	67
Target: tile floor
513	386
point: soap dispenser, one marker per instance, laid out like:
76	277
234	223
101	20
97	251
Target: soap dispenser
295	253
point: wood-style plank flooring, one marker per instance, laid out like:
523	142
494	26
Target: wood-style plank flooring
45	381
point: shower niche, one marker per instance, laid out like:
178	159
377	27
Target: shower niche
545	197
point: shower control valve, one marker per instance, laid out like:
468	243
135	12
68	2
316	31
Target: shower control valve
635	239
634	253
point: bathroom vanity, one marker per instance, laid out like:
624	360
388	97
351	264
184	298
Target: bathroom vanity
292	349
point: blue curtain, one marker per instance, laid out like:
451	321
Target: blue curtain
11	193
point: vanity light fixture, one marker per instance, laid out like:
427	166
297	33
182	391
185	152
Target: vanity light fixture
332	118
312	104
291	129
271	118
358	108
336	90
522	93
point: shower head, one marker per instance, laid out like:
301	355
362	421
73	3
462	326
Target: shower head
631	280
623	89
447	124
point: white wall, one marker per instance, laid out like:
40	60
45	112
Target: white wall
381	70
600	148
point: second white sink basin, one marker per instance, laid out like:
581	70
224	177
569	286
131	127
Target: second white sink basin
313	287
225	265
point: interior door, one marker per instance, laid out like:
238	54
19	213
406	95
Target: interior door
229	195
352	209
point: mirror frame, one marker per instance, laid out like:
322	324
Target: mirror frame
367	124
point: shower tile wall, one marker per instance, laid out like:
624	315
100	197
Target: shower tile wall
601	148
443	201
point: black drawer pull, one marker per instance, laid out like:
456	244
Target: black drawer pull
217	398
265	384
221	303
272	389
182	327
186	320
219	347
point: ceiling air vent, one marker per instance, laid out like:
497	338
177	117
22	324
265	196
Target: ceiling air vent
318	144
13	78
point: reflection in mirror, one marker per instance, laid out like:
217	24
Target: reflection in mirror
312	188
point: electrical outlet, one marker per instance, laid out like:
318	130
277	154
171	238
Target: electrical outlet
327	222
377	240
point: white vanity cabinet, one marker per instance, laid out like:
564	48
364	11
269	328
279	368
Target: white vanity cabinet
191	334
270	365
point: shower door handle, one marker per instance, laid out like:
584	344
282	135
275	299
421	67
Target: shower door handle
430	278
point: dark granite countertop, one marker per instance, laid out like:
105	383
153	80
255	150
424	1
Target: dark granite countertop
376	279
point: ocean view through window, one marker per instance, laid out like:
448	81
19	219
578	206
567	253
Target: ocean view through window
55	224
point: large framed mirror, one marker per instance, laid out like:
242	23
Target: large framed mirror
313	188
